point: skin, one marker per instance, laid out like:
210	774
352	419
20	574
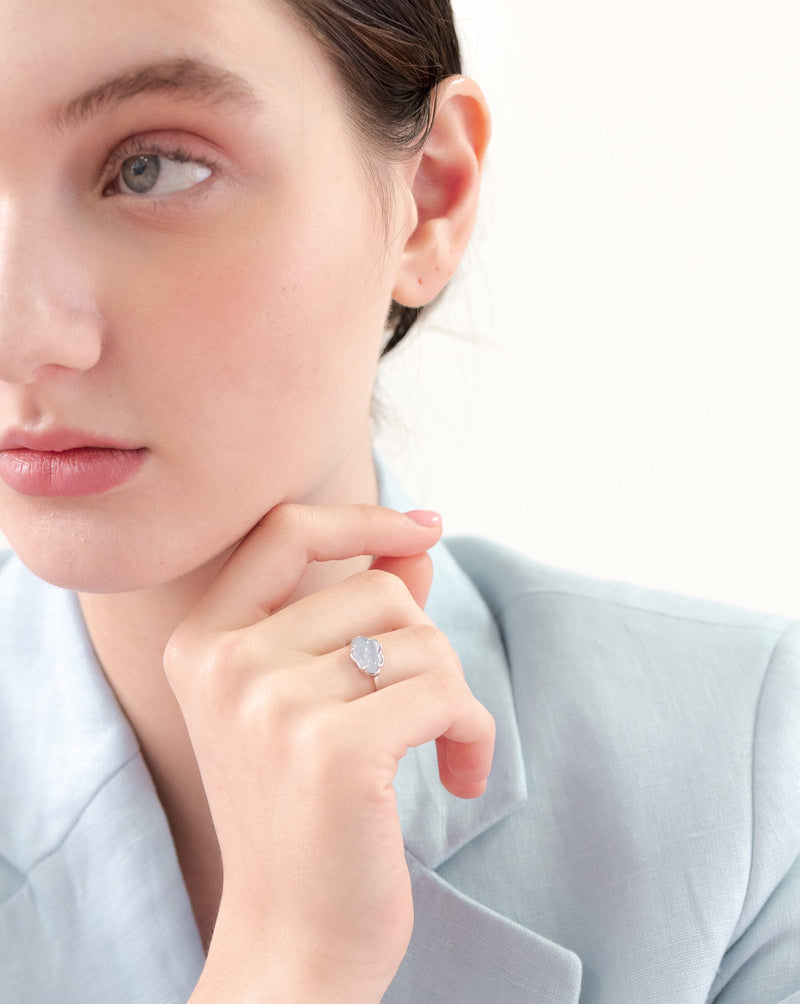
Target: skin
285	224
230	328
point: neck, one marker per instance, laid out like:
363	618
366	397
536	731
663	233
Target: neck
130	631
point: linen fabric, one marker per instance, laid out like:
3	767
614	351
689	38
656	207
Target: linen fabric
638	841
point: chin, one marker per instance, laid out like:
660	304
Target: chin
94	551
84	571
89	564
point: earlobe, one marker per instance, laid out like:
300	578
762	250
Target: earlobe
444	182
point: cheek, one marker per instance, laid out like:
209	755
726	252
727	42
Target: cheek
263	331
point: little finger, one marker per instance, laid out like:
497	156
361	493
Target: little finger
433	705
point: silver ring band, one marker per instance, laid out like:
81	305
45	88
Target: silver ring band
367	654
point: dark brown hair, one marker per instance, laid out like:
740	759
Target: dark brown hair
389	56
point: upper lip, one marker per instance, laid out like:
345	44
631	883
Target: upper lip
59	440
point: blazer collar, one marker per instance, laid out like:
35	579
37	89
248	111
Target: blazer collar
435	823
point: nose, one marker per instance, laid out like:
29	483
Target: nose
48	316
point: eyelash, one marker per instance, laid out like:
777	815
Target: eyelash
136	147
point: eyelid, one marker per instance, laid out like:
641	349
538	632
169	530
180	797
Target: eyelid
141	145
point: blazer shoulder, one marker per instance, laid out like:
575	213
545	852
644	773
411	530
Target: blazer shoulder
616	646
659	734
505	577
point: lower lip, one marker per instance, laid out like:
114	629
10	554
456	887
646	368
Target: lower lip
89	470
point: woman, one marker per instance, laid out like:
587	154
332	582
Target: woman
217	656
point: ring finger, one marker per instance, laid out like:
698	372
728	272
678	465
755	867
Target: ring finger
407	652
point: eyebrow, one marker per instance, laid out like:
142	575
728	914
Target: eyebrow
192	79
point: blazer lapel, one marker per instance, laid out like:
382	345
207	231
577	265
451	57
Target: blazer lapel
92	900
460	950
435	823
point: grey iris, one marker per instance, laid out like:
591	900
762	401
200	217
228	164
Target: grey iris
141	173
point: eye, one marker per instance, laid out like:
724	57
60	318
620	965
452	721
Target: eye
157	175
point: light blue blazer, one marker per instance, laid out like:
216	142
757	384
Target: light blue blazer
638	842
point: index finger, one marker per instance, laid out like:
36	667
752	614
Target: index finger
267	566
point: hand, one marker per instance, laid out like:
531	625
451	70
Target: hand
298	750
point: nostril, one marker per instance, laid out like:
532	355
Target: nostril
39	340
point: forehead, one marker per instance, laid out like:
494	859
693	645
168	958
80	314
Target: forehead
56	52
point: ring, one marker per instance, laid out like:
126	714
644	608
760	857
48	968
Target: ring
367	654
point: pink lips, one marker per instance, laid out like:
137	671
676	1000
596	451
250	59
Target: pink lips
66	464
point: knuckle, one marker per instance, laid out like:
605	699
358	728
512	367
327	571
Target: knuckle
177	656
385	587
365	510
207	670
284	517
430	637
224	654
440	652
450	685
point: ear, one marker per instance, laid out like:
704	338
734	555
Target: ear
444	181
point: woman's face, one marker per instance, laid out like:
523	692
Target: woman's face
194	266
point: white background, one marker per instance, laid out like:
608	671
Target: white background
612	383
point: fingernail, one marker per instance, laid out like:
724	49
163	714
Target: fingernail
425	517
